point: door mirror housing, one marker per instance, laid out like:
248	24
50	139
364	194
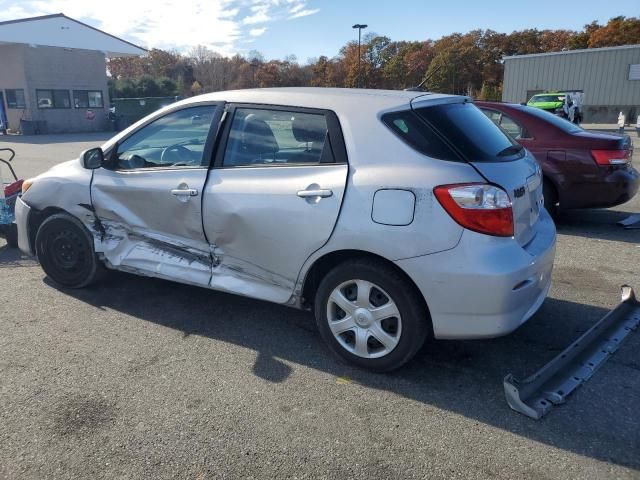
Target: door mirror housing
92	158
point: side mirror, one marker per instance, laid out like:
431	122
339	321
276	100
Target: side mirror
92	158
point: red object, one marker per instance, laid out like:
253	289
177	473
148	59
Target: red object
13	188
571	161
479	218
611	157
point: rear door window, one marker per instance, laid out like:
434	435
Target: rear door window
261	137
470	132
507	123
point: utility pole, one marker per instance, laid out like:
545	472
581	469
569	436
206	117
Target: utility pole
360	27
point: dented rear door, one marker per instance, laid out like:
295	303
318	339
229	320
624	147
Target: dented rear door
149	199
273	197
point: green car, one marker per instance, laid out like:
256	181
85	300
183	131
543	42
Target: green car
547	101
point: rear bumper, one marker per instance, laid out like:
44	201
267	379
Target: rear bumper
22	222
611	188
486	286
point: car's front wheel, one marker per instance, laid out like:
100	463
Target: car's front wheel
65	250
370	315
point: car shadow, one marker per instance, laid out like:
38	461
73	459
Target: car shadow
464	377
12	257
600	224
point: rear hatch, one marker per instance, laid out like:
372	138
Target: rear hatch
499	159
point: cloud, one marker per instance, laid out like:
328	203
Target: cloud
260	14
221	25
256	32
304	13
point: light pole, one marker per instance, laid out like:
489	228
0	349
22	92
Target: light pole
254	65
360	27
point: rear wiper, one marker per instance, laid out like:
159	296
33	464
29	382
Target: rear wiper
511	150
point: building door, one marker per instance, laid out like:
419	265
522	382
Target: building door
3	116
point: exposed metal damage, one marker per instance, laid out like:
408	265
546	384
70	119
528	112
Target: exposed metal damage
124	248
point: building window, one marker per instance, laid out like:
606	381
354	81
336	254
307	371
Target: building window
53	99
88	99
15	98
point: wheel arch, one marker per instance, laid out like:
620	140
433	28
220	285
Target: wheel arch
325	263
36	217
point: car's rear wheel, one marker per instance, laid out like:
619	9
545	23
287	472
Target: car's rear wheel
370	315
65	250
550	199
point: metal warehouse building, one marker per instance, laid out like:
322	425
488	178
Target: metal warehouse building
53	74
609	77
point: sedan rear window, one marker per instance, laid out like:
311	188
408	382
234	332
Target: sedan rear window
471	132
561	123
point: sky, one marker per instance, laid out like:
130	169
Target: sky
309	28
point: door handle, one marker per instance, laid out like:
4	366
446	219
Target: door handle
184	192
320	192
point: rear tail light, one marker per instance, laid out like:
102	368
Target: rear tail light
611	157
478	206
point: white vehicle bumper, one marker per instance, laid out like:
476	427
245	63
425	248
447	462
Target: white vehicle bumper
22	221
486	286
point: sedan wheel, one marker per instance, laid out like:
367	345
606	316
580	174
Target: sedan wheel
371	315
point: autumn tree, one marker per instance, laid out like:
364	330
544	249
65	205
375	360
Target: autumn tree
618	31
469	63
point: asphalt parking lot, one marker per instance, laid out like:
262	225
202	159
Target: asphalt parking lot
143	378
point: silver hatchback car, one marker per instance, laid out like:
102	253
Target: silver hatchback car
392	215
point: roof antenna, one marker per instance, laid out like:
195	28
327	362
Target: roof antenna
419	87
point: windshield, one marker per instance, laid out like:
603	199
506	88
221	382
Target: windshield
561	123
547	98
471	132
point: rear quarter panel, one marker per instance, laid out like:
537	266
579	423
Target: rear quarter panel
379	160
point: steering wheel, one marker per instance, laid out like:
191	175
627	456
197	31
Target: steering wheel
176	153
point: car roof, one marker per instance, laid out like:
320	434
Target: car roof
340	100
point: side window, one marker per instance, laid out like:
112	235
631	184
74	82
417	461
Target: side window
511	127
276	137
507	123
176	140
493	115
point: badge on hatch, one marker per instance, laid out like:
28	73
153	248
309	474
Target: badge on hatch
518	192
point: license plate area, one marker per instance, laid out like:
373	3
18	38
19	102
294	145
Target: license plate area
534	188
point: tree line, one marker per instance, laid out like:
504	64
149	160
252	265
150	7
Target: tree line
469	63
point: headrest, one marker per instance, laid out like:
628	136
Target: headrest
309	128
259	138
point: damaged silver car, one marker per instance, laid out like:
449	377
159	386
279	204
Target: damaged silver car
392	215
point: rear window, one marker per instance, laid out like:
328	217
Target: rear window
413	131
561	123
469	131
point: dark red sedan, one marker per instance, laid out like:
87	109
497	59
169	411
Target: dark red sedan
582	169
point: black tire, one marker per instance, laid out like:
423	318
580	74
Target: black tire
415	319
64	248
12	236
550	199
